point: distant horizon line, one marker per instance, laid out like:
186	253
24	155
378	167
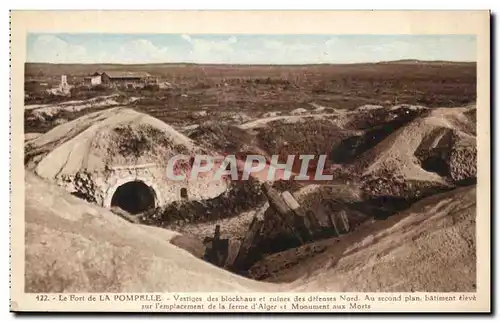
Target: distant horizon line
269	64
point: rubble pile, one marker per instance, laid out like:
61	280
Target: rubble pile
241	196
285	225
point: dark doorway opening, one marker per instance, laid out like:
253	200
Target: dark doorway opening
436	164
134	197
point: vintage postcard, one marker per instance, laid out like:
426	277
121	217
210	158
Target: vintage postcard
191	161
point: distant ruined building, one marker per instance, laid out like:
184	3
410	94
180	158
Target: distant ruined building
117	79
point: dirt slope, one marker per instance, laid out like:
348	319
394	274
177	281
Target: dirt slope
74	246
429	247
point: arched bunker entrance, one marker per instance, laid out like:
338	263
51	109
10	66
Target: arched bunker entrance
134	197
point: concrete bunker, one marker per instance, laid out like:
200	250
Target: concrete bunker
134	197
96	156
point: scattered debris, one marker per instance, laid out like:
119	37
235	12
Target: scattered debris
289	219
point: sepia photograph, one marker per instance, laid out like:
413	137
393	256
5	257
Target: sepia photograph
251	162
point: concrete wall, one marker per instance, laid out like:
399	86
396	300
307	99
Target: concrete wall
102	186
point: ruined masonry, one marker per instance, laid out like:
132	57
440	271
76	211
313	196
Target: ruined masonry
118	157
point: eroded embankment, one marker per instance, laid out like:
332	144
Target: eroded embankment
376	244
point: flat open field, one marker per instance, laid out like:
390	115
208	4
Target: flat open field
222	90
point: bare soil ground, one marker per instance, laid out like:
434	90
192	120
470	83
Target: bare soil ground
75	246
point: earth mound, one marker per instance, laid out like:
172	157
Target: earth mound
315	137
436	151
111	137
224	137
118	157
370	126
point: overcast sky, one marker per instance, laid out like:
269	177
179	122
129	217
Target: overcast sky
246	49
